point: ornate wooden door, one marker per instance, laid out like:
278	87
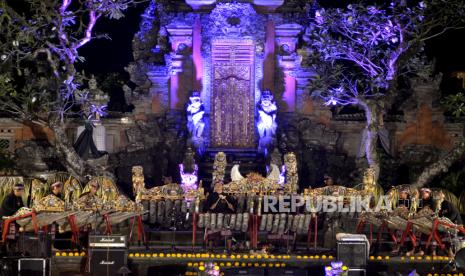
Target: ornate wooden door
233	114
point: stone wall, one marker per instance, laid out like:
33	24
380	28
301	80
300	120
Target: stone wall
322	146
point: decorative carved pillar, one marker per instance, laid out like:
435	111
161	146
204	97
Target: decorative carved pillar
305	104
158	76
180	38
302	78
269	61
197	55
288	60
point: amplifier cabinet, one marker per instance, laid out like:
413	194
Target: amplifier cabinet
107	241
106	262
353	254
34	267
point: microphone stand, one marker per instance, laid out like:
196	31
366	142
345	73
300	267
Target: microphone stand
225	241
287	241
173	228
451	264
453	244
97	214
132	229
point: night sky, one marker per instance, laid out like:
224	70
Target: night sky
104	56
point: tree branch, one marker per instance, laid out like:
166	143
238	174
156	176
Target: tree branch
64	6
441	166
442	32
93	16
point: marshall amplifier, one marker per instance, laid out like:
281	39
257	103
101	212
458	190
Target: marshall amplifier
107	255
107	242
353	250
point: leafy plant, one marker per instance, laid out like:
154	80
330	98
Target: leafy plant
455	104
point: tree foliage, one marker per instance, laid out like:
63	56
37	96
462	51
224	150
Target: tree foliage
39	47
455	104
360	51
370	46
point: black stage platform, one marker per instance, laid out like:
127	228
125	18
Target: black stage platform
160	257
143	262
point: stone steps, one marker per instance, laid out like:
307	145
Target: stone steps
248	159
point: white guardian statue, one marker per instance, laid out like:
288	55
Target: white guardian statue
266	123
195	123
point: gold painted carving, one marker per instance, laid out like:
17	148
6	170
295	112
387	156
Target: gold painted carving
50	203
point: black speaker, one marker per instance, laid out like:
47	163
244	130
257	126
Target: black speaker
164	270
353	254
106	262
33	267
250	271
287	271
460	259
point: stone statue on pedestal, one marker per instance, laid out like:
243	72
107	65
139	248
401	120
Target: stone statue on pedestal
127	94
219	167
292	177
188	179
98	100
266	124
188	171
195	123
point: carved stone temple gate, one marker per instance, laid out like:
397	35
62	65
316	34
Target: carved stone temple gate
232	97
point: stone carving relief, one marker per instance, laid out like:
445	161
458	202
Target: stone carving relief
143	136
292	177
296	132
233	20
219	167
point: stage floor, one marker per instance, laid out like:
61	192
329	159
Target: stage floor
161	258
149	262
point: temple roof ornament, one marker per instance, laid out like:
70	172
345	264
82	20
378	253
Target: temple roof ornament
264	5
228	20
